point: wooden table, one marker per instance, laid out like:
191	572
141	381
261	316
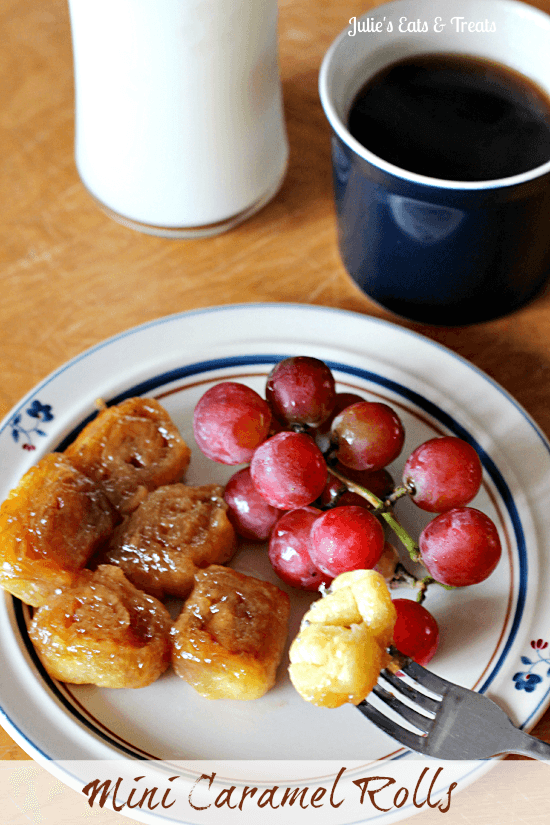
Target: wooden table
71	277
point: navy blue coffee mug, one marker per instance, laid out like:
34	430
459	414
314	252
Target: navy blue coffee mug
431	250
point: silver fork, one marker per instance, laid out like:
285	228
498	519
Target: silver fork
454	723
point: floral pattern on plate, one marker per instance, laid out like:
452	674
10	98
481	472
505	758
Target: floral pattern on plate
21	428
528	680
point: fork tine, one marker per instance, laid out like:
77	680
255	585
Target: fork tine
425	678
411	740
423	723
421	699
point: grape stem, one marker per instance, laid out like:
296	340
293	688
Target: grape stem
402	575
398	493
382	508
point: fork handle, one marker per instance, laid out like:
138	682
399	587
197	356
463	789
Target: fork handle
528	745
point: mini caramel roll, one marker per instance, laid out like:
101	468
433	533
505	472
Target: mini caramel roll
174	532
50	525
129	449
341	648
103	631
229	638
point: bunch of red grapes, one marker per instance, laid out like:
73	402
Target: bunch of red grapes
318	489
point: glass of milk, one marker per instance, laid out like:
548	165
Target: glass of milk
179	119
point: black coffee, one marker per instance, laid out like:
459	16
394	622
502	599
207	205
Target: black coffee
453	117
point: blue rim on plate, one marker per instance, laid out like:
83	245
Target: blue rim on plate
243	327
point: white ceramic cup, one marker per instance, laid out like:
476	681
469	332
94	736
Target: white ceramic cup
178	111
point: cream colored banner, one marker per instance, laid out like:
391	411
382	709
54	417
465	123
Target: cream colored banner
416	791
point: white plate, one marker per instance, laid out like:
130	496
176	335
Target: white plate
490	633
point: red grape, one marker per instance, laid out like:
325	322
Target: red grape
289	470
416	632
230	421
346	538
443	473
378	482
336	493
460	547
289	550
343	400
301	391
252	517
368	435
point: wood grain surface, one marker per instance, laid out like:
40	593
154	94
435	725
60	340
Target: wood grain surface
70	276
